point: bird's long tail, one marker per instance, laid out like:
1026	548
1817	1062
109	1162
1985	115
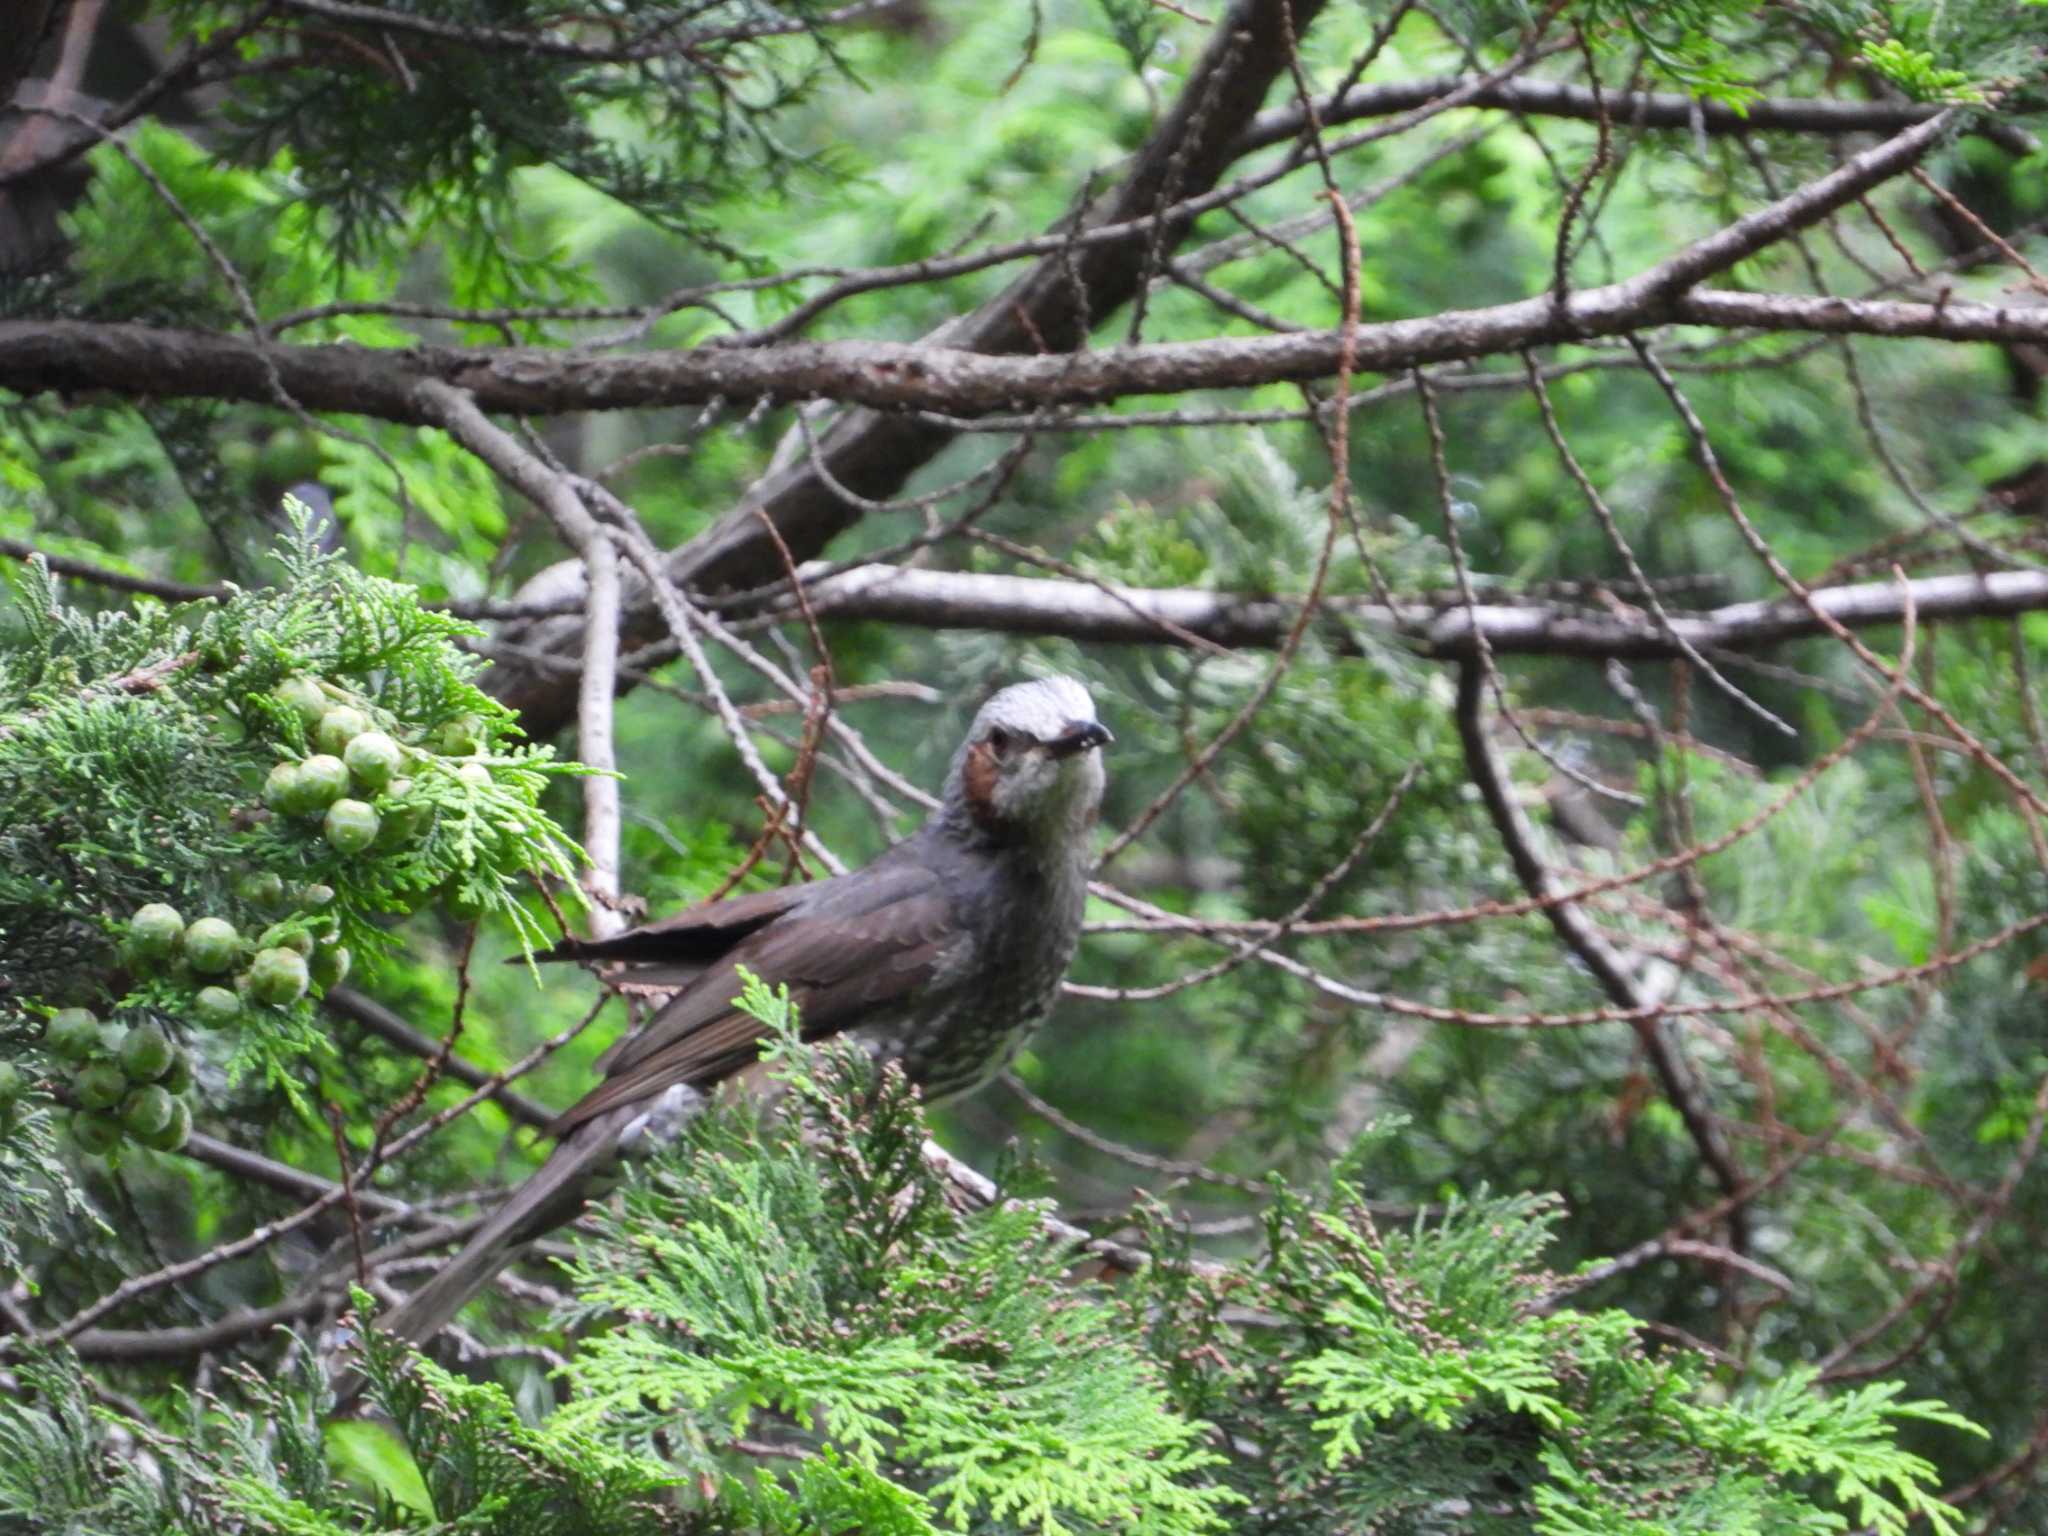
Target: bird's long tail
552	1196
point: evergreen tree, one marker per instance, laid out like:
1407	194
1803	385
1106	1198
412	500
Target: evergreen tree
1548	498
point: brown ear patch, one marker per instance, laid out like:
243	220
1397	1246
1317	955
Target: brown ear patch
978	781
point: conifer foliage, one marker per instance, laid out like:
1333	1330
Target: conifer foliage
205	814
1549	497
805	1329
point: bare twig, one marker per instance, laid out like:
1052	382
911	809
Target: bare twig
388	1026
554	493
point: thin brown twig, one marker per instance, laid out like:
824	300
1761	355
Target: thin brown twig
1575	197
136	1286
1066	568
430	1073
338	1125
1340	495
1489	671
1671	1248
817	711
2031	805
1242	952
1834	1366
1611	527
1162	920
1151	1162
380	1021
1983	231
684	621
102	576
1675	1074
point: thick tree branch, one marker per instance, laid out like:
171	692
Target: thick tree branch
1625	109
1829	315
138	361
873	448
1660	1044
317	1296
105	576
1049	309
244	1164
1076	610
962	378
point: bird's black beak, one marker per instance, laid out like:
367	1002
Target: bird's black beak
1079	736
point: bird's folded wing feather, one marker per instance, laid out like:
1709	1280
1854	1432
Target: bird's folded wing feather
698	934
663	958
847	955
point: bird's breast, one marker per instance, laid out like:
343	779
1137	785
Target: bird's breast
1017	930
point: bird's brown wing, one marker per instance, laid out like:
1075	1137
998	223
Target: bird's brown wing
662	958
694	936
844	957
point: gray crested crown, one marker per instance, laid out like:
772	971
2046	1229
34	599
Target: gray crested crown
1028	767
1044	707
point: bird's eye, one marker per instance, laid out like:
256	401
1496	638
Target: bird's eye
1001	741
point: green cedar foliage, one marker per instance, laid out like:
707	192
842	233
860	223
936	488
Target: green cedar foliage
661	129
1431	1379
135	751
1936	52
806	1279
258	1458
807	1333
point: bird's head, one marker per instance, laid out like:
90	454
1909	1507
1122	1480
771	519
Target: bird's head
1031	767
